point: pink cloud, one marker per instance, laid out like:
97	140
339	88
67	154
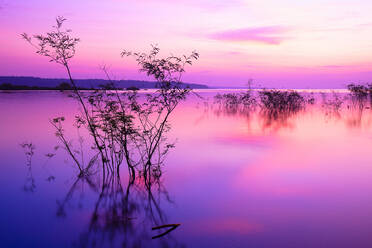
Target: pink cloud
272	35
215	4
209	5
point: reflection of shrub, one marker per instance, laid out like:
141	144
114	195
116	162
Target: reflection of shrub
281	101
334	103
234	103
277	106
359	94
227	99
274	104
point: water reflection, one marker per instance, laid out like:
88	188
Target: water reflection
272	113
332	104
232	104
235	179
122	216
29	151
272	109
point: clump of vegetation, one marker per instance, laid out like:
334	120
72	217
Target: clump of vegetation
124	126
359	91
277	106
332	106
248	99
228	103
359	95
236	103
278	101
226	99
62	86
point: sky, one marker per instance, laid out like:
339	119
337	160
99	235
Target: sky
277	43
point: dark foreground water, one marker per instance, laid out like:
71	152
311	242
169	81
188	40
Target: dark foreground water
234	179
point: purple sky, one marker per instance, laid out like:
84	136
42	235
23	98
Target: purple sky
278	43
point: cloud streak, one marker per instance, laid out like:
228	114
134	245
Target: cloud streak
272	35
208	5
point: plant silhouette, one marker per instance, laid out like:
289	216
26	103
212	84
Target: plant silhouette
125	126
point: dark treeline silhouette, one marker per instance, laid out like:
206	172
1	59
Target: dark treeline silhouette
61	86
30	83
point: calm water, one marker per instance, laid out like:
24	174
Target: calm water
234	180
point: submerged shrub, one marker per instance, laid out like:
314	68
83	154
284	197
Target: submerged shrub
358	91
332	105
277	106
279	101
359	95
123	126
236	103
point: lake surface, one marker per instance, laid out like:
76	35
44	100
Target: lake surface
234	179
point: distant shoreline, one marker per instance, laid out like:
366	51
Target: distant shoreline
36	83
210	90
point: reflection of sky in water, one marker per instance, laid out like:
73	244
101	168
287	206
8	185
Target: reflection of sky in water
231	182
